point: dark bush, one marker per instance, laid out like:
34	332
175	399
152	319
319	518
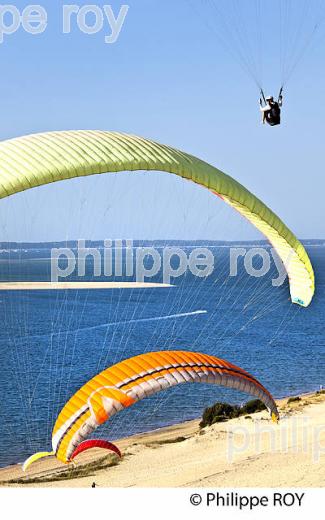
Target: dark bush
293	399
255	405
221	412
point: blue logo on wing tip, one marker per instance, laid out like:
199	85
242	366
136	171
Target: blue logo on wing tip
299	301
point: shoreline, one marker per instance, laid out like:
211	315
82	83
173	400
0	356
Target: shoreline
185	455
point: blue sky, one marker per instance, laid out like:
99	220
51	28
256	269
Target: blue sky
167	78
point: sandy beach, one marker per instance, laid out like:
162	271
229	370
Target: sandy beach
59	286
250	451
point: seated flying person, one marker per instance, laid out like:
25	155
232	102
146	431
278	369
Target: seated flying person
271	111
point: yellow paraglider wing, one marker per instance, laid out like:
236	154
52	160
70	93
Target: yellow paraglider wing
39	159
36	457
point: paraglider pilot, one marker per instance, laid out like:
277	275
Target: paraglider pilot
271	109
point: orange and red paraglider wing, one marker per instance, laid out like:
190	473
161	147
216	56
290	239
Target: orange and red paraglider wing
136	378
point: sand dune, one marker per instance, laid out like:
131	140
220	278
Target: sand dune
287	454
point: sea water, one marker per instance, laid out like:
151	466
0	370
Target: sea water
52	342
